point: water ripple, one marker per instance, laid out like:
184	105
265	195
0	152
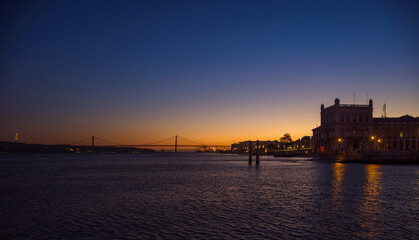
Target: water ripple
204	196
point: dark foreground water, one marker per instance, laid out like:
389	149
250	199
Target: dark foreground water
204	196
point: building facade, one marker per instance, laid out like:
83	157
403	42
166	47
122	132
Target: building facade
396	134
304	143
264	146
352	128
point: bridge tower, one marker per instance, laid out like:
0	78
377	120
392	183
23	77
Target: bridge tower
93	142
176	144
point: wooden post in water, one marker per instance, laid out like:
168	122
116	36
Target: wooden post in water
250	152
257	152
176	144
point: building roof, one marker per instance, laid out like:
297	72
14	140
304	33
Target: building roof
405	118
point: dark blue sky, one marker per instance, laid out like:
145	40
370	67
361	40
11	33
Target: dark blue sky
141	70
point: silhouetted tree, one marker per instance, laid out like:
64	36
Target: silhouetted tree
285	141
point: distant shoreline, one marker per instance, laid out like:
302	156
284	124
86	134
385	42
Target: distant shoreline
11	147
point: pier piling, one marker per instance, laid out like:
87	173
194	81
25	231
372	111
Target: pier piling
250	152
176	144
257	152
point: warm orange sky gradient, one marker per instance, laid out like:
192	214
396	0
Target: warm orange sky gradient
220	125
134	72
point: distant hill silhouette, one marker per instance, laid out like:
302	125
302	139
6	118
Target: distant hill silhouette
12	147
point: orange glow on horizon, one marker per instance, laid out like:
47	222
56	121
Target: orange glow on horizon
218	125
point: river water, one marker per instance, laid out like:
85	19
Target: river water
167	196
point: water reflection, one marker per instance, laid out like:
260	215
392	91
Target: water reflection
370	202
201	196
338	175
336	206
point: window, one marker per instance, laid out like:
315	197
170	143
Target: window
360	117
341	118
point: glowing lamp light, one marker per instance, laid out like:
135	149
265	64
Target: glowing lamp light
372	138
340	140
379	140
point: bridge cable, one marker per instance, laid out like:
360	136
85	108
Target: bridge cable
106	141
74	143
191	141
159	141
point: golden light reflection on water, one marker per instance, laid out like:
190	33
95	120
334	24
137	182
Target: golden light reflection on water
336	192
338	176
370	203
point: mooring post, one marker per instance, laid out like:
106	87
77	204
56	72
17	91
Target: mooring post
176	144
250	152
93	143
257	152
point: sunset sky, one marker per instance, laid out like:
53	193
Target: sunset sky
215	72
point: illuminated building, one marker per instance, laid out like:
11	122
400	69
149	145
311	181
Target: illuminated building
303	143
351	128
264	146
396	134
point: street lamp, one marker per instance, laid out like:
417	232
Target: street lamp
372	139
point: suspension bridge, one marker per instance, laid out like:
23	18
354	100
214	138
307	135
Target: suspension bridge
90	141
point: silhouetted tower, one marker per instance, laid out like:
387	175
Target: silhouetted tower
257	152
16	138
93	142
250	151
384	111
176	144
